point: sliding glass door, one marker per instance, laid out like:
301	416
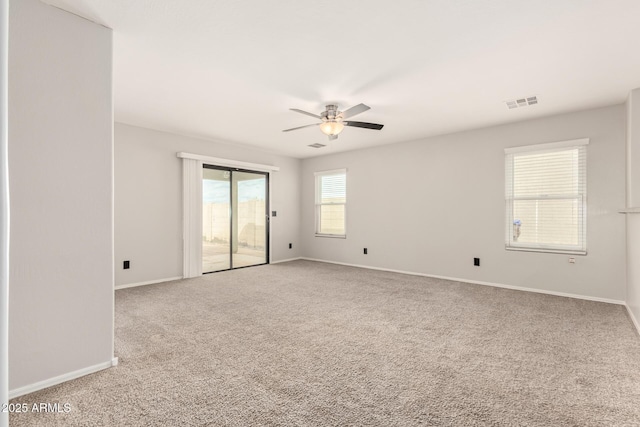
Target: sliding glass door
235	228
216	219
249	224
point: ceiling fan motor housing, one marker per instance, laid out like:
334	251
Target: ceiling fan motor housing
331	113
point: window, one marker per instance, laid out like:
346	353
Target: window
331	202
546	197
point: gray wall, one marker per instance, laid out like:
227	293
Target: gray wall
431	206
148	200
61	172
4	211
633	201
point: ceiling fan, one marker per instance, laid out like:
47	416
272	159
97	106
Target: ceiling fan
334	121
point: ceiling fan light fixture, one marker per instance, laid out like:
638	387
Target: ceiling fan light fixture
331	127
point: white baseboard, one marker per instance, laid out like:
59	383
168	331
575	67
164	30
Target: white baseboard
286	260
21	391
149	282
477	282
635	321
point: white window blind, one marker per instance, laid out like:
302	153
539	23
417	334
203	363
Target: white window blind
331	201
546	197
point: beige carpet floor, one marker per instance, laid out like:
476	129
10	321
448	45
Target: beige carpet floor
312	344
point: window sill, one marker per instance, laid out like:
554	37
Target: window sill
549	251
629	210
332	236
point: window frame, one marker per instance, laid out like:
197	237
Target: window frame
318	204
580	196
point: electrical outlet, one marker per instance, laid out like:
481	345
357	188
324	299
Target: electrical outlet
274	213
572	260
476	262
365	251
126	265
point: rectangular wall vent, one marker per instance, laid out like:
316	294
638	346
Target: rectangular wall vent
316	145
521	102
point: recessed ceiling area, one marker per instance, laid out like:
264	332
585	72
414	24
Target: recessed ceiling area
230	71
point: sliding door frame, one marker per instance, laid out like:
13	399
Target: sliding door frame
267	206
192	204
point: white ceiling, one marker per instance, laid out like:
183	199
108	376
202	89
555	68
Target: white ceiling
230	70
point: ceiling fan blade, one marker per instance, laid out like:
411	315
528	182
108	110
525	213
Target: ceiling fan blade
357	109
304	112
300	127
364	125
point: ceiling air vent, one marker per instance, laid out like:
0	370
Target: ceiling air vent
316	145
521	102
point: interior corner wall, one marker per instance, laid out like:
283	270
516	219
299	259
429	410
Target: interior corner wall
431	206
148	200
633	201
61	187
